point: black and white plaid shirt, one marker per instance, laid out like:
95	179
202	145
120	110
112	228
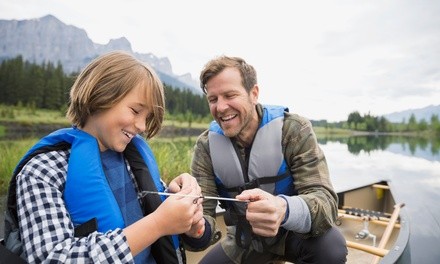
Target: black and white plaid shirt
45	226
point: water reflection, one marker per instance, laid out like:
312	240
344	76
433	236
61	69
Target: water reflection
412	146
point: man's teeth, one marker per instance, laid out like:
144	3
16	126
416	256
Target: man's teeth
226	118
129	135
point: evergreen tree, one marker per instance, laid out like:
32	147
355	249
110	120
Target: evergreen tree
47	86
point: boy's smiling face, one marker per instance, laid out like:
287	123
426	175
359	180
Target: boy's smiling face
114	128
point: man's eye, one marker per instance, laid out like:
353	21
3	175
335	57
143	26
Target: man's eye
230	96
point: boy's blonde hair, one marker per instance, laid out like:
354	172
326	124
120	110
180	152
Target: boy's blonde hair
107	80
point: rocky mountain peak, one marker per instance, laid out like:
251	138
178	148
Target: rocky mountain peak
49	39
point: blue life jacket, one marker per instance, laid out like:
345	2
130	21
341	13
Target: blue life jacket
87	193
266	168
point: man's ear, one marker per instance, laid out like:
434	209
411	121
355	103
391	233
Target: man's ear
255	91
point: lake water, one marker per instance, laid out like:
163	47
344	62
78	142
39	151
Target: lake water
412	166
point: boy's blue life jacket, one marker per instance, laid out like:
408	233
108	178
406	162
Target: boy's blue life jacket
266	168
87	194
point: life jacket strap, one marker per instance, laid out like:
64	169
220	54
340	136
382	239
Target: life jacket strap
86	228
255	183
243	232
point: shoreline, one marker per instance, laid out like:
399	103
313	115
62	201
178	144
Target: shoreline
19	130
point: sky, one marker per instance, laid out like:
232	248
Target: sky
322	59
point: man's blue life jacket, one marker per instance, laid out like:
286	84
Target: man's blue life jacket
266	168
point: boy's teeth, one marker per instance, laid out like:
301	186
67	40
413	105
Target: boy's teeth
127	134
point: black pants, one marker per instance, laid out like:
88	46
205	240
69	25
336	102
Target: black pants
329	248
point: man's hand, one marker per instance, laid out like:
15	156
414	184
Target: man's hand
265	212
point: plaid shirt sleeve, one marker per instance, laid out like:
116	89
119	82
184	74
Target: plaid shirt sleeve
45	226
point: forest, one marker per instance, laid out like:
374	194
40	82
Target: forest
47	86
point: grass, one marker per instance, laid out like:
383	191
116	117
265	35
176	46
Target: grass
169	122
29	115
323	131
173	156
10	154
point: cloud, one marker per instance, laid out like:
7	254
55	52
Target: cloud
395	49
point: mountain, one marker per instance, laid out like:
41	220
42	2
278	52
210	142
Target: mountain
419	114
48	39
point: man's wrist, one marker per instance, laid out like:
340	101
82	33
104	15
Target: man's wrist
286	212
202	240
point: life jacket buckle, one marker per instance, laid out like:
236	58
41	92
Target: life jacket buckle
255	183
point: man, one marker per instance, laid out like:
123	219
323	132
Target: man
269	159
